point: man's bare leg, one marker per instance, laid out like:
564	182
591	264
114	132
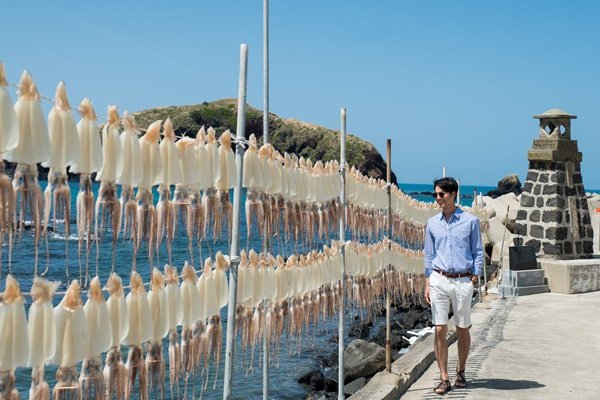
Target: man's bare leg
464	345
441	350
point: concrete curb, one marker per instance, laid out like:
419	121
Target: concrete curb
406	370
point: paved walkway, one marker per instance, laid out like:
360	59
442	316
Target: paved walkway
543	346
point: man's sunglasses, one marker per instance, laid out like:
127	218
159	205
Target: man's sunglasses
438	194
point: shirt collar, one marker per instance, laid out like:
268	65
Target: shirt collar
455	215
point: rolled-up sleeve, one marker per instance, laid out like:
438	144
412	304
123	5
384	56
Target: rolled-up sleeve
429	250
476	248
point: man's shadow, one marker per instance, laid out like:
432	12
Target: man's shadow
504	384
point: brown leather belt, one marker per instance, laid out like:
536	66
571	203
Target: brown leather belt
449	275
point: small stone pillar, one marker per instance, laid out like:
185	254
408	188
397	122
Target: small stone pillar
554	216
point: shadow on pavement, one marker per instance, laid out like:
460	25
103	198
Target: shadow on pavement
504	384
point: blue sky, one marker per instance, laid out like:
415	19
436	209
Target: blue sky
448	81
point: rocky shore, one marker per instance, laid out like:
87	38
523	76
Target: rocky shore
365	354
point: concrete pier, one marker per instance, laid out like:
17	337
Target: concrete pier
534	347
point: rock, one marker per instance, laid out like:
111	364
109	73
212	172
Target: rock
313	379
329	361
363	359
354	386
331	385
395	338
508	184
359	329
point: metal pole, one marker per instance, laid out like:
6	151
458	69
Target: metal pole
343	250
235	229
388	297
265	140
265	71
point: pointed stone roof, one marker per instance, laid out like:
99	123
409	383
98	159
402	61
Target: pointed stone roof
555	113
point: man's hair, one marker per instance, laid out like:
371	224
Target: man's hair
446	184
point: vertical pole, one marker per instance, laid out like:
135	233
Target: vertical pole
458	193
235	229
343	250
265	140
444	170
265	71
388	297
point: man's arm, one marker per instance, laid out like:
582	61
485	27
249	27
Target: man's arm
476	250
429	255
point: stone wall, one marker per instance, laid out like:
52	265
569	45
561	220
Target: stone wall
554	216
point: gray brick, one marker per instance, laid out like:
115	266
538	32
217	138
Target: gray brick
537	231
527	201
552	248
522	215
552	216
537	189
556	201
539	202
557	233
535	216
551	189
532	176
543	177
528	186
588	247
568	247
535	243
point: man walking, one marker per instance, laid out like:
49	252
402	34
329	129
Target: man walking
453	262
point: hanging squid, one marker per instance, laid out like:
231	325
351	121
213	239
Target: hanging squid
210	291
64	151
33	147
91	379
155	362
152	166
182	201
204	182
171	175
9	138
14	337
115	374
130	176
175	315
192	310
253	181
267	182
90	161
108	207
209	197
71	343
42	335
140	331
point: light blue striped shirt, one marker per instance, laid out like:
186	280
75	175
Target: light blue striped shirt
453	246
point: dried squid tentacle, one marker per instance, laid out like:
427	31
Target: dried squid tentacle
147	220
7	211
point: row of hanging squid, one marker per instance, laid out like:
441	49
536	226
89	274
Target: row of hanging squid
274	296
287	196
277	295
74	332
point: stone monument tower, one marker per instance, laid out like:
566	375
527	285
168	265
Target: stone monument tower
554	216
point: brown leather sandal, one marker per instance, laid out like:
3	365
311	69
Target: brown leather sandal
460	381
443	387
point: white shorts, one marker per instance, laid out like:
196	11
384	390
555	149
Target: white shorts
443	291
